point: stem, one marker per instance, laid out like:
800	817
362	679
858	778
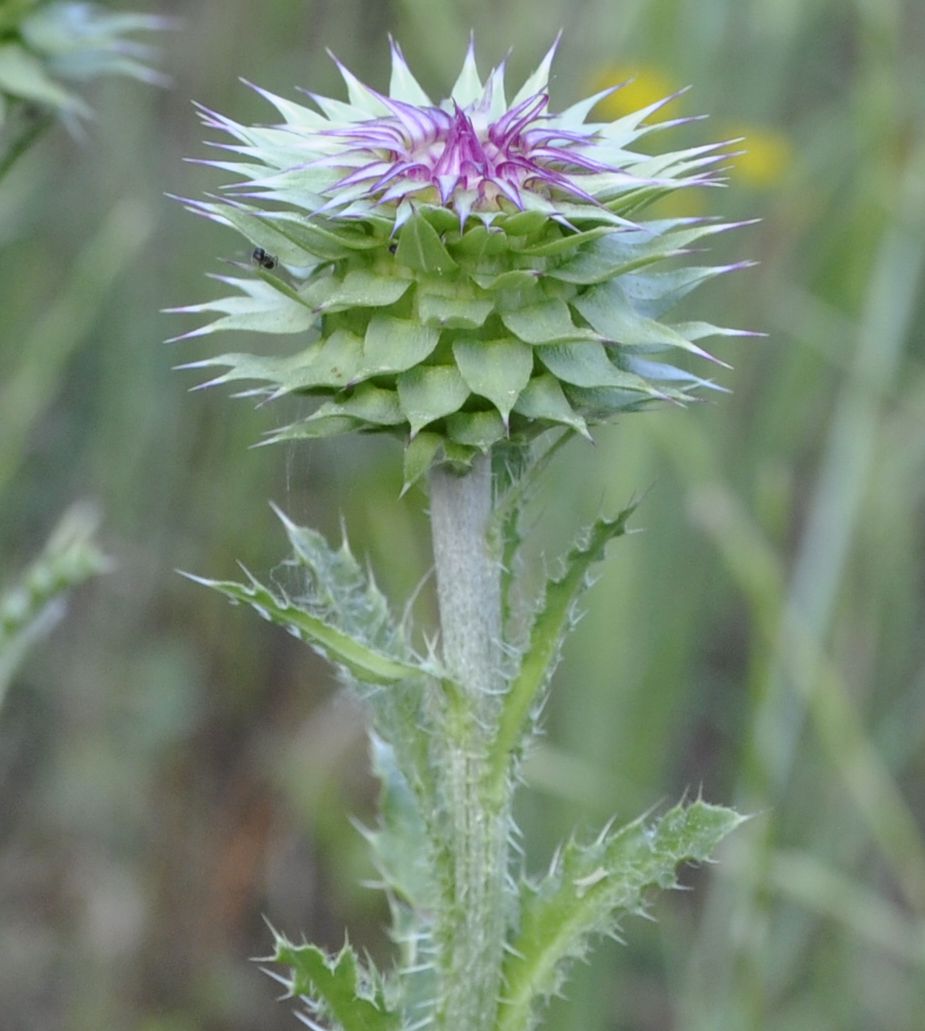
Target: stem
471	924
468	580
34	125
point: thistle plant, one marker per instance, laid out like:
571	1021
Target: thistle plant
47	48
474	279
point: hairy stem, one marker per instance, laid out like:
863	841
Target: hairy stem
471	925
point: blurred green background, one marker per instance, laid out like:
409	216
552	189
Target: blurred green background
172	769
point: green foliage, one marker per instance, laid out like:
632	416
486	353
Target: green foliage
360	662
337	988
162	716
46	46
400	844
31	606
427	393
554	617
589	888
336	608
23	77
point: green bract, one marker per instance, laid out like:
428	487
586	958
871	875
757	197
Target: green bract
459	274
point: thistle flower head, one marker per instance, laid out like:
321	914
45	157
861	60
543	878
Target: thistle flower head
474	153
461	272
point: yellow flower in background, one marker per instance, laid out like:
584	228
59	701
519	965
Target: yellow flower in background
766	152
765	156
645	84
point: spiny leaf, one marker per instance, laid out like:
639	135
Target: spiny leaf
620	253
335	607
338	987
364	663
360	95
333	362
520	473
326	422
400	843
367	407
402	84
566	242
699	330
460	456
538	81
549	628
340	590
589	888
468	86
295	241
597	403
521	279
374	405
663	372
654	293
476	245
442	219
523	223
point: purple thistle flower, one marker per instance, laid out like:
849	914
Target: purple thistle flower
433	154
388	154
463	272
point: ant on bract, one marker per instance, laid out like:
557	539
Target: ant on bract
260	257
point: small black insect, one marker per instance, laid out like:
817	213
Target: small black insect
264	260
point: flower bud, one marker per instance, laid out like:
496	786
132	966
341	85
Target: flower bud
460	273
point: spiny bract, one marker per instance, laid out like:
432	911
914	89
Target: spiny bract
460	273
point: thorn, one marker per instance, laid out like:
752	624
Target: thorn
276	976
307	1021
